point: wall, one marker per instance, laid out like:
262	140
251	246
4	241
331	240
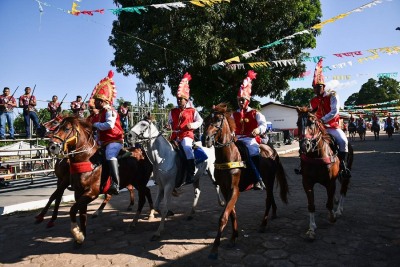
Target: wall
282	118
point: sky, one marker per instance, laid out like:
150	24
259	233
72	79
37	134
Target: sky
65	54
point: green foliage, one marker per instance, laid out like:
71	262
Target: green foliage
299	97
192	39
383	90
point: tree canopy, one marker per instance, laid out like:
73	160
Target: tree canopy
160	45
384	90
299	97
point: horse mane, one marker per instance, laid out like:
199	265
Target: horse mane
311	113
78	121
224	108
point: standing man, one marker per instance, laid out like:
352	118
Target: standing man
123	112
249	124
7	104
28	102
54	107
326	104
183	120
110	135
78	107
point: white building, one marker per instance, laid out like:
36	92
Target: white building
282	117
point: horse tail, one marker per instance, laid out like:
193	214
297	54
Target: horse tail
282	181
350	157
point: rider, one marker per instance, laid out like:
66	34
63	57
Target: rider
374	120
109	131
183	120
361	122
326	104
249	124
389	123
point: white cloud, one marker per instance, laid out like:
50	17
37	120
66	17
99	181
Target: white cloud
338	85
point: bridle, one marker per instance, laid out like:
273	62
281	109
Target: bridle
219	125
140	136
71	140
310	141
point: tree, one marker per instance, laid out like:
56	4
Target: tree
298	97
352	100
160	45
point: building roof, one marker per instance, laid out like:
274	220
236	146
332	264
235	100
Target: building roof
278	104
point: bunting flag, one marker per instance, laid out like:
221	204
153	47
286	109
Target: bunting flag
373	105
74	10
317	26
168	6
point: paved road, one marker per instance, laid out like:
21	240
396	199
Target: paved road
368	234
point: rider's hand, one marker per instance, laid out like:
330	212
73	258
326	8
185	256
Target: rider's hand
189	126
95	124
255	132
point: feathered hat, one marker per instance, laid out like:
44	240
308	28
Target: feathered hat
245	88
183	89
105	89
318	74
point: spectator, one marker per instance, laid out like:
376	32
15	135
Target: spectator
7	104
78	107
28	103
123	111
54	107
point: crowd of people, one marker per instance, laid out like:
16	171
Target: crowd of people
386	123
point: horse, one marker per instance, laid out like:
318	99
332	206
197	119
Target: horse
389	130
320	164
375	127
62	173
165	162
361	130
352	130
73	140
232	176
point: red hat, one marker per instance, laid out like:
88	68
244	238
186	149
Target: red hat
105	89
183	89
245	88
318	74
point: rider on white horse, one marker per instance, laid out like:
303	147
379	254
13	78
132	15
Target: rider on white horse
183	120
326	104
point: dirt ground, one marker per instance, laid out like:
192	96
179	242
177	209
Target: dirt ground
368	233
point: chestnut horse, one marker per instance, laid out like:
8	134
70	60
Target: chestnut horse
62	173
319	164
73	139
231	175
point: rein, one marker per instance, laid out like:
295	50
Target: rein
217	144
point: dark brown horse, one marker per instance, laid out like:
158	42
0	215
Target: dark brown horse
232	176
361	130
73	139
319	164
375	127
62	172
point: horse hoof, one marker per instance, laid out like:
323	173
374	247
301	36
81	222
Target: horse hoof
189	218
261	229
170	213
94	215
50	224
213	256
311	235
39	219
155	238
132	226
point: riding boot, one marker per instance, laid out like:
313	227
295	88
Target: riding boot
113	165
190	169
345	171
254	164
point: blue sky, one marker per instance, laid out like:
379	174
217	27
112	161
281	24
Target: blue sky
61	53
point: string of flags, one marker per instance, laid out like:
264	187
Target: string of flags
246	55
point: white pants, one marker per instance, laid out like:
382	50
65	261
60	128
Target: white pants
340	137
252	145
112	150
187	144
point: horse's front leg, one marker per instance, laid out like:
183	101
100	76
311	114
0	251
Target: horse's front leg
309	190
197	191
57	196
269	202
131	197
99	211
142	201
167	192
80	205
221	201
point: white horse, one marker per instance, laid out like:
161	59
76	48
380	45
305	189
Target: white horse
165	168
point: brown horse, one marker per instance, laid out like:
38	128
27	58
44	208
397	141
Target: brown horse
319	164
62	172
361	130
73	139
231	175
375	127
352	130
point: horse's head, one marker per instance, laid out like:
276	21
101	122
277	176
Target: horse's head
310	129
47	128
143	130
70	137
217	126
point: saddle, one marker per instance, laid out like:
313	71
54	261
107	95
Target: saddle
199	157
